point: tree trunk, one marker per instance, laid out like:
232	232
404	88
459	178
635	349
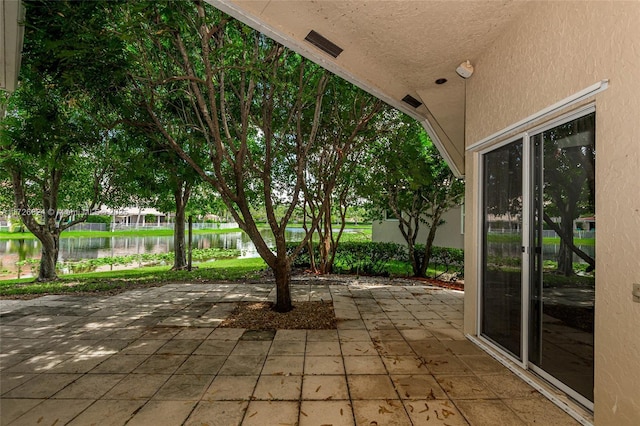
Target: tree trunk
428	247
50	247
179	247
565	254
282	273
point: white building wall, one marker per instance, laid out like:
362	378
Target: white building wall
450	234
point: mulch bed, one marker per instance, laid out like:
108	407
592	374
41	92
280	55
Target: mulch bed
261	316
451	285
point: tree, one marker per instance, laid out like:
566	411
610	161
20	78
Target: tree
343	135
569	184
160	179
56	144
415	183
248	99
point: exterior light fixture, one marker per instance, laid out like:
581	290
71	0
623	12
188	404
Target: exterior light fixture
441	81
465	69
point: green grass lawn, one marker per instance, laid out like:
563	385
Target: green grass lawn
116	281
108	234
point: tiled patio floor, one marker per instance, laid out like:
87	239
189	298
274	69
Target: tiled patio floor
156	357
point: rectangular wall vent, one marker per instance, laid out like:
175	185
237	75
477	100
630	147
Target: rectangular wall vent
412	101
323	44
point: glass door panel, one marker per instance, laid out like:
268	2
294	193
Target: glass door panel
563	255
501	304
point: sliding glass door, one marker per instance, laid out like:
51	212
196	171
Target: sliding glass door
538	252
501	320
563	237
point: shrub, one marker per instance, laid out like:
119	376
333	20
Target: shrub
93	218
374	258
356	257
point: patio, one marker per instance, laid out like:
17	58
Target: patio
157	356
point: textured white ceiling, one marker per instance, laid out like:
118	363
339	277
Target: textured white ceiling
393	48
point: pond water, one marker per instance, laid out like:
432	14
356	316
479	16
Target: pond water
73	249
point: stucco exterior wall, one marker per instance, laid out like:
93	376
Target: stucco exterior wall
448	234
554	51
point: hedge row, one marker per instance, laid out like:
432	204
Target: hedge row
373	258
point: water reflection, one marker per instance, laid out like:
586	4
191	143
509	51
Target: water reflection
74	249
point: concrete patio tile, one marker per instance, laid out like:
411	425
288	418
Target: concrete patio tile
127	333
242	365
215	347
367	386
430	412
161	333
201	364
335	413
405	365
324	388
539	410
37	364
447	333
446	364
323	348
137	386
462	347
166	413
52	412
322	336
380	412
259	348
421	386
194	333
42	386
228	334
483	364
160	364
379	324
287	347
219	373
9	381
278	388
419	334
107	413
217	413
11	409
80	363
89	386
179	347
143	346
180	387
509	386
426	314
359	349
465	387
226	388
395	348
429	348
120	363
278	413
323	365
364	365
283	365
488	412
386	335
409	324
353	335
291	335
351	324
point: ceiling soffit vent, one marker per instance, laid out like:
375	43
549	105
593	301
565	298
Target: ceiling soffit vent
412	101
323	44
